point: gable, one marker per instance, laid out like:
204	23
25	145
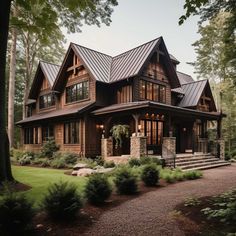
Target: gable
194	91
44	77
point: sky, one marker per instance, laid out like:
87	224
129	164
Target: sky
135	22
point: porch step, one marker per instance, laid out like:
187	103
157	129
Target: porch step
203	165
209	166
190	156
195	160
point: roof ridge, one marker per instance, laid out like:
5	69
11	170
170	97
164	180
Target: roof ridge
49	63
136	47
195	81
92	49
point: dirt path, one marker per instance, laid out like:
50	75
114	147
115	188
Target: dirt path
151	213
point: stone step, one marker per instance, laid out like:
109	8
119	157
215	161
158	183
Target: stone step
190	162
209	166
194	159
187	156
198	165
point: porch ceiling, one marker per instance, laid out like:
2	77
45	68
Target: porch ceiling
139	106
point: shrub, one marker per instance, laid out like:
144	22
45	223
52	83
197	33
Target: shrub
99	160
16	213
134	162
193	174
98	189
45	162
58	163
125	181
62	202
150	175
26	159
17	154
49	148
70	158
169	177
109	164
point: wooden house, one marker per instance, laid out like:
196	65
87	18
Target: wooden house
78	102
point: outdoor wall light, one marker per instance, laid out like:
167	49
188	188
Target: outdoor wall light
101	126
184	129
139	127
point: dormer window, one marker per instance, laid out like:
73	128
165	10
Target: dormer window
47	100
77	92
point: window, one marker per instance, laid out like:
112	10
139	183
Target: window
152	91
71	133
124	94
153	129
46	100
77	92
47	132
31	135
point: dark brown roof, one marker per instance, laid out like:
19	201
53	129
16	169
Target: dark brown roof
184	78
47	70
50	71
56	113
145	104
107	69
192	93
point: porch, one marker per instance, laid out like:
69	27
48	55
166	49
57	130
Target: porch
160	129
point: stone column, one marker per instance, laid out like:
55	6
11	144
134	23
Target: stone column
138	146
168	147
221	150
107	147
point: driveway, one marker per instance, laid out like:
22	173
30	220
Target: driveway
150	214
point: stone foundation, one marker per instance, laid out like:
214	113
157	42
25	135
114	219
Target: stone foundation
107	147
138	146
168	146
221	142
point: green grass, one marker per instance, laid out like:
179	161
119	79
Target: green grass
40	178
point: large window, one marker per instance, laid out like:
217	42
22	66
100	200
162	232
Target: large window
152	91
153	129
71	133
77	92
47	132
31	135
124	94
46	100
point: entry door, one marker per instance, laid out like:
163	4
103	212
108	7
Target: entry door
153	130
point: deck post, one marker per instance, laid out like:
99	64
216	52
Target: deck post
136	119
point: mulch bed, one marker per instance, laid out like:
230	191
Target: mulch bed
88	215
16	186
194	223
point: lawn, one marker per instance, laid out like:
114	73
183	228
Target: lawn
40	178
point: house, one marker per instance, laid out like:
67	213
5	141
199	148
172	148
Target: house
78	102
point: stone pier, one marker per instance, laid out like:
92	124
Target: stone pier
107	147
138	146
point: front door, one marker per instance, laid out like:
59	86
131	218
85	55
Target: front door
153	130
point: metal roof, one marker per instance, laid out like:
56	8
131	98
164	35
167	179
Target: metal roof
156	105
174	59
184	78
50	71
55	113
192	93
99	64
129	63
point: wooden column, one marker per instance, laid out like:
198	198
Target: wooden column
136	119
219	127
107	121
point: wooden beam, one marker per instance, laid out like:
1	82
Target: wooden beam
77	66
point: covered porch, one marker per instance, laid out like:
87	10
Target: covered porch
164	129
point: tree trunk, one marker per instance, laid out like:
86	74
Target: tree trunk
5	168
11	91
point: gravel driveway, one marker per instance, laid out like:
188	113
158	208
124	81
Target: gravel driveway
150	214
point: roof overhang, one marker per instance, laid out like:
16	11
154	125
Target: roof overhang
140	106
45	116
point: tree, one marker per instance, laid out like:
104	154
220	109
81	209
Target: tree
211	64
5	169
70	14
209	10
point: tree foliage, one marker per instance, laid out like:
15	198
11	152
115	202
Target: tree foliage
211	64
119	132
209	10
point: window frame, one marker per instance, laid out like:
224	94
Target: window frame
44	101
80	90
72	132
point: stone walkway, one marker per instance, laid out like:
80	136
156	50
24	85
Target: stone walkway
150	214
